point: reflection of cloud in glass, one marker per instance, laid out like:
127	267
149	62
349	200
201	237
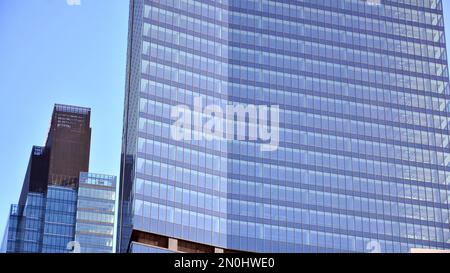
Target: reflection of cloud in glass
73	2
373	246
73	246
374	2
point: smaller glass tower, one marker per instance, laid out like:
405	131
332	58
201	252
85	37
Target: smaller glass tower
95	213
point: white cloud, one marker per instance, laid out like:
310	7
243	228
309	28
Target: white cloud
73	2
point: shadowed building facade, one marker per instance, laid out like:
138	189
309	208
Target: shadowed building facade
69	134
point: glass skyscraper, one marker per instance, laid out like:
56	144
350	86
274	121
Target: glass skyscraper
58	206
363	159
48	222
96	213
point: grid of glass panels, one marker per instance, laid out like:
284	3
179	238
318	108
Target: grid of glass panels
59	223
364	151
25	226
95	213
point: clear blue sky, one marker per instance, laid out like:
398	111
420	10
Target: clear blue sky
51	52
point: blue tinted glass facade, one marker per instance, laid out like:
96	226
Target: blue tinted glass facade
95	213
364	142
59	223
45	224
24	230
48	222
